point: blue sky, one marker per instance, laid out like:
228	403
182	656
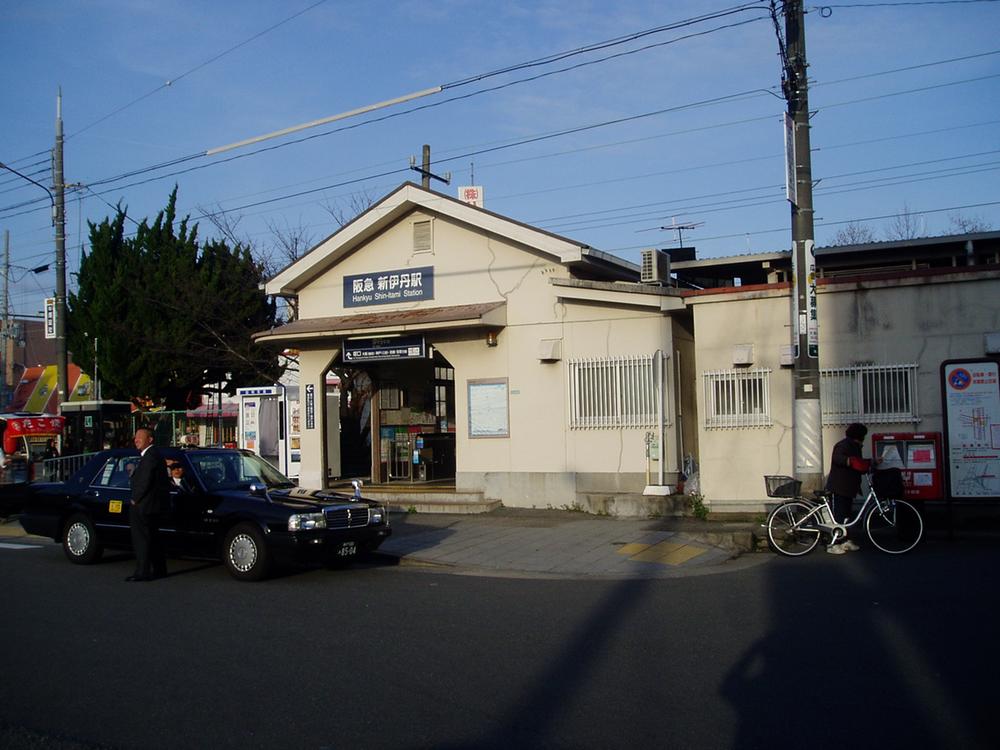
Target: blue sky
906	99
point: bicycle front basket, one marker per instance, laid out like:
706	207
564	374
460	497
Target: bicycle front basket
779	486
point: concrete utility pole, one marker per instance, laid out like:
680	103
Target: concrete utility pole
425	170
808	416
59	190
5	305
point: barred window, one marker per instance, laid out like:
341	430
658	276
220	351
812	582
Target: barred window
869	394
738	398
613	392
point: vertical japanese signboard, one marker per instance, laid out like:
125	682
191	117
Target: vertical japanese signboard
310	406
50	317
806	319
971	391
791	184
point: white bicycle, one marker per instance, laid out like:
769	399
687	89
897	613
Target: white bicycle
796	526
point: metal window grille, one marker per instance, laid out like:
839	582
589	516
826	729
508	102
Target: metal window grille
614	392
869	394
737	398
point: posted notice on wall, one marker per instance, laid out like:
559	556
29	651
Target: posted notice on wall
488	409
972	416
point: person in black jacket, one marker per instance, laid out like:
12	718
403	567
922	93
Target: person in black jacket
846	469
150	502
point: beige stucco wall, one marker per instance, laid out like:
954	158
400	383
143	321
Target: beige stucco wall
923	321
542	463
313	364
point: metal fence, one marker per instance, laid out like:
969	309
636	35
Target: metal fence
59	469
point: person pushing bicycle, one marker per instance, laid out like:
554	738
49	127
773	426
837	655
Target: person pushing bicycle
847	466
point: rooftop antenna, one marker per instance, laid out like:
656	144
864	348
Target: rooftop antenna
679	228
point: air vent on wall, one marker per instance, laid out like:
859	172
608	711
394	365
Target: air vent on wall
422	241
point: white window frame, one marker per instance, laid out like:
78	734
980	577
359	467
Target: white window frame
871	394
615	392
737	398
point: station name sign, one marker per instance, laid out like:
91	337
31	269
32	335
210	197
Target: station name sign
395	347
387	287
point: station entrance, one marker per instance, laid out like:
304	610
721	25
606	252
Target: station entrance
397	419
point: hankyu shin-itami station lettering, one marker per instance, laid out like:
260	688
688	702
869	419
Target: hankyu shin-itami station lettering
386	287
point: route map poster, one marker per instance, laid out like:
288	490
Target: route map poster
972	416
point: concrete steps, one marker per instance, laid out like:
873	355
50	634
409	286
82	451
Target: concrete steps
426	498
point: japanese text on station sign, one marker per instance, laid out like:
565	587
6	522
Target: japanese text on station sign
387	287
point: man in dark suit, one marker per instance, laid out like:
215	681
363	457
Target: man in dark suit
150	502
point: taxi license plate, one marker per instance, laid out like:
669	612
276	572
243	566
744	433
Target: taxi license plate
114	506
347	549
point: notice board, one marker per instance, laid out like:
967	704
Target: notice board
971	394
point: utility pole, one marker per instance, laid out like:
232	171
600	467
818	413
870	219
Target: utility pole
425	170
59	190
808	416
5	305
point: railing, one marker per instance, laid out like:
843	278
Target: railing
58	469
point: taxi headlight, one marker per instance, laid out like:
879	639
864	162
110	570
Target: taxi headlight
306	521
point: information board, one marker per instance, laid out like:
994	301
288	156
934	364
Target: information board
971	391
488	408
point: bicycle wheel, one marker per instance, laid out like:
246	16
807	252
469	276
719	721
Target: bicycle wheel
791	529
894	526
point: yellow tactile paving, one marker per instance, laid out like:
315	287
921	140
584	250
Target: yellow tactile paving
633	548
657	551
665	553
685	553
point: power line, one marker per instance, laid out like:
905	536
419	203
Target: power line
191	157
819	223
170	82
901	4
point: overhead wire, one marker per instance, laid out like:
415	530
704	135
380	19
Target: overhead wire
520	142
173	80
455	84
182	160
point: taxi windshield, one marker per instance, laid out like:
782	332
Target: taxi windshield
235	470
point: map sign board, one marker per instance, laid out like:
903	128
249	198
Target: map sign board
971	392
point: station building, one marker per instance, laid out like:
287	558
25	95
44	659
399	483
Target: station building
497	360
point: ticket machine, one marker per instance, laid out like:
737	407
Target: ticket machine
269	425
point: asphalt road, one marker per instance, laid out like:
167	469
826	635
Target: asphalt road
858	651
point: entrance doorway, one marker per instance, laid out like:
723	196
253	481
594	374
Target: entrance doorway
397	420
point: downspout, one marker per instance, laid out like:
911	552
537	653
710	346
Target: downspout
660	414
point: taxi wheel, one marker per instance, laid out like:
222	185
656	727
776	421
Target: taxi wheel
245	553
79	540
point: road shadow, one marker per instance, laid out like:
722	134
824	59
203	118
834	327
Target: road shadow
411	534
534	719
863	652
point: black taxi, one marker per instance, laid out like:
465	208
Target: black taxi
226	504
